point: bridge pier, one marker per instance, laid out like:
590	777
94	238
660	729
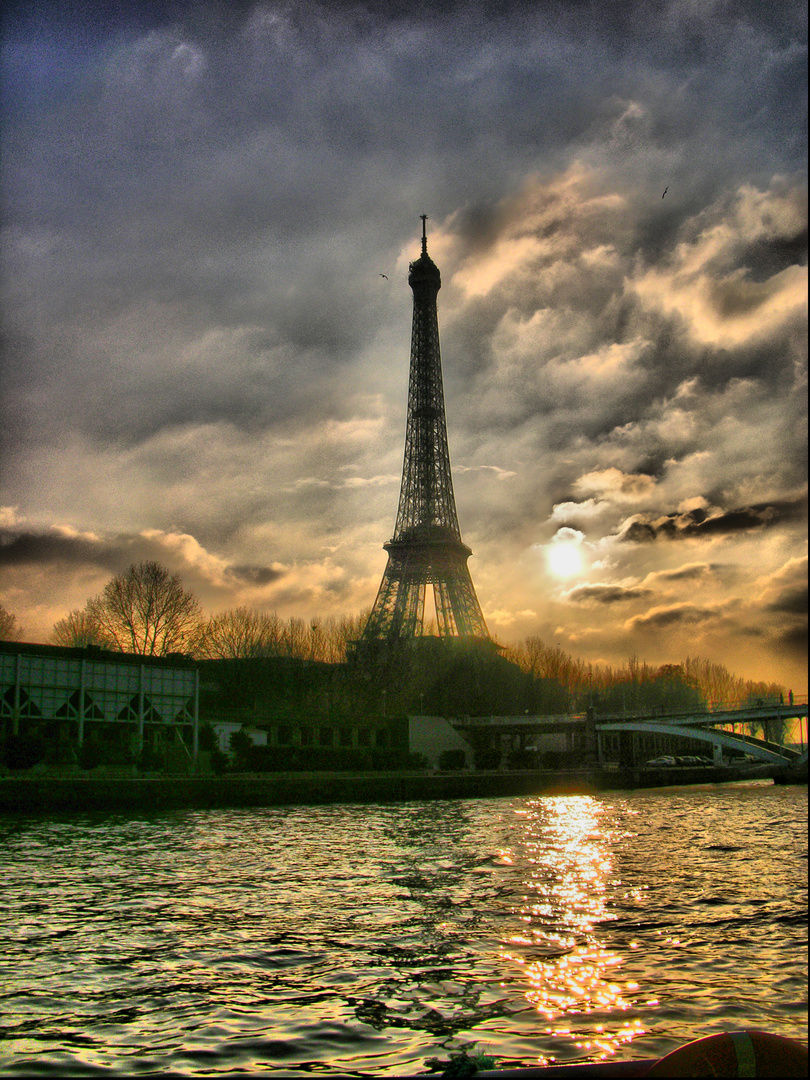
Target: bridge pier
592	755
627	749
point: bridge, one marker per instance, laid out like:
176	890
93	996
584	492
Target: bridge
711	726
721	726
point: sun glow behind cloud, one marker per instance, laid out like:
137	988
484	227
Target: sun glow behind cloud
564	555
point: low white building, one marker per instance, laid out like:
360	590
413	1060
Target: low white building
223	729
432	735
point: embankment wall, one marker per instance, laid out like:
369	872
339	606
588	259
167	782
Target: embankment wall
41	793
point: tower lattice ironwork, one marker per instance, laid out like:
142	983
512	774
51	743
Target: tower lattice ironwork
426	548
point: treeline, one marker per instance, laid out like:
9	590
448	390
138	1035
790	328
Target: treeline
148	611
691	682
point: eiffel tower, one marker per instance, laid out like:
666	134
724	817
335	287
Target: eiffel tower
426	548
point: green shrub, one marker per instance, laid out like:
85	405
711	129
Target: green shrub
219	761
522	759
486	760
24	751
452	760
150	760
207	737
91	754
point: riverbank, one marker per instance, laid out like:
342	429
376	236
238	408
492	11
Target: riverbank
38	793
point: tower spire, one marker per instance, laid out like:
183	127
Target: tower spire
426	548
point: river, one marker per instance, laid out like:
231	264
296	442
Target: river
366	939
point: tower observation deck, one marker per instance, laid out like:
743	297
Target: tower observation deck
426	548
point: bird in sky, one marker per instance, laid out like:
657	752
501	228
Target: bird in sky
385	276
666	189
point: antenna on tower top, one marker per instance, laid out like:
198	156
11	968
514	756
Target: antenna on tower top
424	233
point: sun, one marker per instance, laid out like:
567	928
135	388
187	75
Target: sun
564	559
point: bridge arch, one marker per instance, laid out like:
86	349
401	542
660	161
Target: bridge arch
757	748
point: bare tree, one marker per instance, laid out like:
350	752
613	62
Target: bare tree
10	629
79	628
338	631
296	638
146	610
240	633
243	632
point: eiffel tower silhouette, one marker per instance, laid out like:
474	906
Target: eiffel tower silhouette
426	548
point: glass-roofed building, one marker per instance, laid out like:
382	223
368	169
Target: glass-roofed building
72	697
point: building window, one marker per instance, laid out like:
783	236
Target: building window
325	736
345	736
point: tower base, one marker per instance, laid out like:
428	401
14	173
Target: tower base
399	610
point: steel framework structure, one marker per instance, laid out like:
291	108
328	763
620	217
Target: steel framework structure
426	547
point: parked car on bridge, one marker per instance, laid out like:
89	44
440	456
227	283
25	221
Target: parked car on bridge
660	762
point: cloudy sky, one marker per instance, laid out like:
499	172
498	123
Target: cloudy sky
203	365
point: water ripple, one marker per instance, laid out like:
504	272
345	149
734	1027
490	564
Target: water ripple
367	939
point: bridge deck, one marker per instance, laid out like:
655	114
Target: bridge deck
707	725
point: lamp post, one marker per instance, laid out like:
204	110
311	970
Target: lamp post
383	697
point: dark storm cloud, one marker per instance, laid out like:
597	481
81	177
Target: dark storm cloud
691	572
607	594
697	523
659	351
256	575
791	602
793	642
30	549
674	615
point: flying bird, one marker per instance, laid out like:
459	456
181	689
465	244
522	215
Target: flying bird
385	276
666	189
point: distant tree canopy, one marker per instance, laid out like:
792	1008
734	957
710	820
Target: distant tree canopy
239	634
10	629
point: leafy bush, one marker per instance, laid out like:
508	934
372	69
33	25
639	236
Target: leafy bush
485	759
452	759
23	751
522	759
150	760
327	759
241	744
219	761
91	754
207	737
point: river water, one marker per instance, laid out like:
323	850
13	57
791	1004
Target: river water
366	939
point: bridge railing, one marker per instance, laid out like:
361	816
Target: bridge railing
734	705
748	704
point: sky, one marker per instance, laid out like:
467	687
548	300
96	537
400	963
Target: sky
204	366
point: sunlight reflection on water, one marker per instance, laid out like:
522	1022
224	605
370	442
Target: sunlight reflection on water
564	856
